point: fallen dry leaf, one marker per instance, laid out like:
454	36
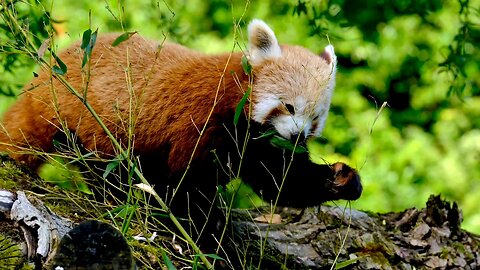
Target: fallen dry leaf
272	219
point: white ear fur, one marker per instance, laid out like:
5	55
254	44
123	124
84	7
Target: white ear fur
262	42
328	55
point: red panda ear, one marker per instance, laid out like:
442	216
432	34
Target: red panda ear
329	56
262	42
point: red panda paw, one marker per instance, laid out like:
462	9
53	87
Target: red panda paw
347	184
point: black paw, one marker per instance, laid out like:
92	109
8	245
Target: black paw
347	184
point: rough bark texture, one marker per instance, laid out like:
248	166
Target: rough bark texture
429	238
35	227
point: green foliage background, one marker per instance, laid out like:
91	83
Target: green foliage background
421	57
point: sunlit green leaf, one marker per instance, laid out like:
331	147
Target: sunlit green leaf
123	37
83	187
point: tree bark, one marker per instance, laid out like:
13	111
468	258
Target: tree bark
329	237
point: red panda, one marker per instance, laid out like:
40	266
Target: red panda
171	91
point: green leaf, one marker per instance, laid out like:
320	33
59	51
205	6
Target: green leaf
68	178
127	221
247	68
83	187
346	263
61	69
110	167
280	142
58	70
240	105
112	212
123	211
87	45
167	261
123	37
86	39
93	39
85	58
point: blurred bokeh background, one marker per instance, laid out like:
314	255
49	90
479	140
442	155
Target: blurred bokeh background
421	57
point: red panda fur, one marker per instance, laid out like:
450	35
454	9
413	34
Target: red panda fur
158	105
167	92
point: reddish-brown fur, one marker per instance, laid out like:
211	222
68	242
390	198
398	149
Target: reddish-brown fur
168	93
174	90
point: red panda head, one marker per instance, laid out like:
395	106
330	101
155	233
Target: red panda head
292	86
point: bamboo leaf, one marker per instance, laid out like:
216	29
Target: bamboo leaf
123	211
85	58
58	70
93	39
88	44
110	167
123	37
286	144
61	69
86	39
240	105
83	187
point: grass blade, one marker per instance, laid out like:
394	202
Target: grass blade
167	261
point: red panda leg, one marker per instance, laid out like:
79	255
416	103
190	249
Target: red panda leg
306	183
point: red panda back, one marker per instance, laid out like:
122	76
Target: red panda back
164	92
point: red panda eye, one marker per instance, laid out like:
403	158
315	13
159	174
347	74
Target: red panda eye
290	108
